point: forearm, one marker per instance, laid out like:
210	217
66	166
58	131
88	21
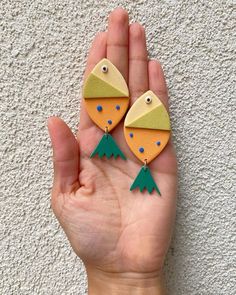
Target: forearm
100	283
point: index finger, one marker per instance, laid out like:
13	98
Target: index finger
96	53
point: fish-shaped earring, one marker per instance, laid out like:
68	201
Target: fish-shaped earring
147	132
106	98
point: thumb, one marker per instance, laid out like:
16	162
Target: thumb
65	157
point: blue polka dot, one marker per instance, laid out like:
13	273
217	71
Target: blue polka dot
109	122
158	143
131	135
99	108
117	107
141	149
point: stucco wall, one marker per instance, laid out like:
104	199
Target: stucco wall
43	47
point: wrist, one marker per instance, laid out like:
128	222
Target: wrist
100	283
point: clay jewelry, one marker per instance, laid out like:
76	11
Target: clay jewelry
106	98
147	131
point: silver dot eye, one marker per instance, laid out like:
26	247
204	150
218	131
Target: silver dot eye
104	68
148	99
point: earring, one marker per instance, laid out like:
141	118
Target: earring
147	132
106	98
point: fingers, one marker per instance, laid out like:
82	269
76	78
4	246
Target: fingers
96	53
138	61
65	156
117	40
157	81
166	161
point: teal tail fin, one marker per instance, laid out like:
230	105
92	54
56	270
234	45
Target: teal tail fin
145	180
107	147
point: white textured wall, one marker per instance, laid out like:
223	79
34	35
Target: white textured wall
43	47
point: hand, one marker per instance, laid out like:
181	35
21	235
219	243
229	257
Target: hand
120	235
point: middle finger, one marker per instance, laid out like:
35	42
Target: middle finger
117	40
138	61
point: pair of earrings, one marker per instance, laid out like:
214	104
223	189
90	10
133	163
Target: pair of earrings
146	126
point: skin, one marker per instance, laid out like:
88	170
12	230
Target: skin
121	236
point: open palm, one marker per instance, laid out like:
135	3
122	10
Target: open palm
110	228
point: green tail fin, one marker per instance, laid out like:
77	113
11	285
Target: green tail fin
107	147
145	180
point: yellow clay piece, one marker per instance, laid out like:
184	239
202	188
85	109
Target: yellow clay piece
150	140
140	107
110	111
156	118
96	87
108	83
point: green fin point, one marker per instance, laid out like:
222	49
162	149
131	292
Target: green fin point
144	180
107	147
